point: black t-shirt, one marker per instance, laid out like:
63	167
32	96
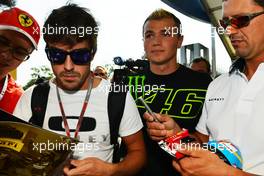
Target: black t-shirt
181	95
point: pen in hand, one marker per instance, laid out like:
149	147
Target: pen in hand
149	110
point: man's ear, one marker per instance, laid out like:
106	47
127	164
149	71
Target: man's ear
180	39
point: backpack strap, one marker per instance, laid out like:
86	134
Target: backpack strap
115	107
39	101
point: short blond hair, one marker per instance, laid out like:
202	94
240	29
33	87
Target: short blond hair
161	14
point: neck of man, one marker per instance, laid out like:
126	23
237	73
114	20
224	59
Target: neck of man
164	69
252	66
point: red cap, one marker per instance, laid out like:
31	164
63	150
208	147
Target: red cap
18	20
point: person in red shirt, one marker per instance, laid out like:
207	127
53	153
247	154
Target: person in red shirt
19	36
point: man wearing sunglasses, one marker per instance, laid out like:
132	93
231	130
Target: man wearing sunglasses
77	100
19	36
233	108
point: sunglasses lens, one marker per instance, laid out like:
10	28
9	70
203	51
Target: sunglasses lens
55	56
235	22
78	57
224	22
82	56
242	21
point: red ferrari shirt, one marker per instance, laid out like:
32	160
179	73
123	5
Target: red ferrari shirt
10	95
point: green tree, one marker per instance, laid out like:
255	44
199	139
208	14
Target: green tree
42	72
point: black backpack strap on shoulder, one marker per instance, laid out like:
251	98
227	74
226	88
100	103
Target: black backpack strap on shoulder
115	107
39	101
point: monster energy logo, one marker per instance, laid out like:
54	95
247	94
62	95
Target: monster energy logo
136	84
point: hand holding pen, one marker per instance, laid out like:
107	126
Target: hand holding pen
159	126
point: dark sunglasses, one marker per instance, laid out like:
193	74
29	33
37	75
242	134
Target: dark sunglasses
79	56
239	21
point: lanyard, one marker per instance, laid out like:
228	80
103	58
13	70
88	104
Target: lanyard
85	103
4	88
